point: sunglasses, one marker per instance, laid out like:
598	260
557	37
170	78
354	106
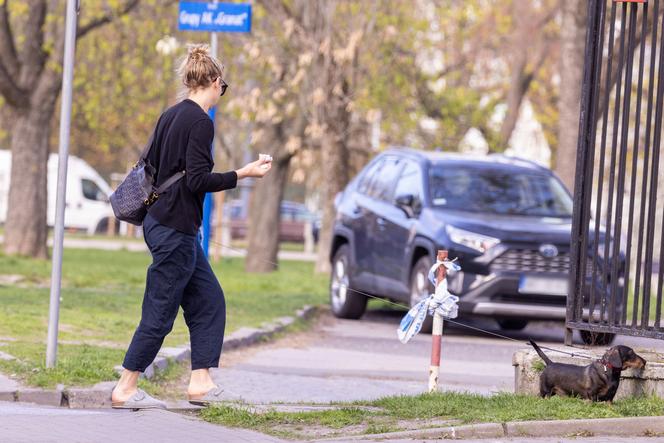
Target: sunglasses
223	85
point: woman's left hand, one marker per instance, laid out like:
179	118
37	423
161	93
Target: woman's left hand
256	169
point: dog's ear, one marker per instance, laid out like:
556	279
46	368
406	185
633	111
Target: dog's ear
614	358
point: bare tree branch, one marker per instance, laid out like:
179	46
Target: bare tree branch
106	18
8	56
32	53
12	93
280	9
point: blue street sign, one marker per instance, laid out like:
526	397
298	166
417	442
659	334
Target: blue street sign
214	17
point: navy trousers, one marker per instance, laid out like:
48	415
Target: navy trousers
179	275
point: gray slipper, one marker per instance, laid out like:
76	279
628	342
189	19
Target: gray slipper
212	396
140	400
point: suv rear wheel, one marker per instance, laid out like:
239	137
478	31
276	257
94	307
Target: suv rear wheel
421	288
345	302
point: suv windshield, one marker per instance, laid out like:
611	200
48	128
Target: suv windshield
494	191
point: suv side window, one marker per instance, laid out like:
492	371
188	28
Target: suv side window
410	182
365	183
383	185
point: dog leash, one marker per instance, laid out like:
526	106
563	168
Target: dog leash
402	306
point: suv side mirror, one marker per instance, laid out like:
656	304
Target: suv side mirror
409	204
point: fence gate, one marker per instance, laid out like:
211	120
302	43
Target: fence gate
617	254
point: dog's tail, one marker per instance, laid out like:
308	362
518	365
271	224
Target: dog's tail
541	353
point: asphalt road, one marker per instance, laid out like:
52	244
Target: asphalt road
345	360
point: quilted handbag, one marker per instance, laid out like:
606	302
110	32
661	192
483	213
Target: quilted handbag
131	199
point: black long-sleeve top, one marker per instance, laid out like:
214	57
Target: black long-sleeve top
183	141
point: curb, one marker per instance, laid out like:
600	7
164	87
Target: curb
99	395
625	427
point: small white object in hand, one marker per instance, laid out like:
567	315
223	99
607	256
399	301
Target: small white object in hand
267	158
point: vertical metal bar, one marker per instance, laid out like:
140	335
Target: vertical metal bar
600	180
646	156
635	163
612	165
620	192
65	124
660	278
585	154
589	158
652	198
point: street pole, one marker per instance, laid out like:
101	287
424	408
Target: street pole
65	122
208	203
437	329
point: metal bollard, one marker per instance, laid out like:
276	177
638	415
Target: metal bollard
437	330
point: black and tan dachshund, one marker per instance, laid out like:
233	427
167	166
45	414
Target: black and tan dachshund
597	381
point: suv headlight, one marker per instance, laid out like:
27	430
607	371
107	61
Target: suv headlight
472	240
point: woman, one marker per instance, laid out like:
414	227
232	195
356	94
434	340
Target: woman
180	275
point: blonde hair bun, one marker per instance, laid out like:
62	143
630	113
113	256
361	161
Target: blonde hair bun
199	69
196	52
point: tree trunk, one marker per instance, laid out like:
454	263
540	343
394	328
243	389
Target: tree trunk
335	165
520	78
26	226
573	33
264	212
519	84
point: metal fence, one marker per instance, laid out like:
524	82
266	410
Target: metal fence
616	255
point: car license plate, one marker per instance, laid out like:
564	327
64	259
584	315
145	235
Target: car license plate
542	285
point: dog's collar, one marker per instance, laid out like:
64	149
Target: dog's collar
606	365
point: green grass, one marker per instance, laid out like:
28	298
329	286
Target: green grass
101	303
652	308
283	246
394	413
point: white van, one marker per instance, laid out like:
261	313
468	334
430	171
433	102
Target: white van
87	207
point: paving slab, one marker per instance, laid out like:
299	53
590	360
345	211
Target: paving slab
18	423
7	387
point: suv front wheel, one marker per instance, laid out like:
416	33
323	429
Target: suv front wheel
421	288
596	338
345	302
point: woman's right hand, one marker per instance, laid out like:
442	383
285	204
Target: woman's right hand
256	169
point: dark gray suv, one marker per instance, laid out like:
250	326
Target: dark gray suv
507	220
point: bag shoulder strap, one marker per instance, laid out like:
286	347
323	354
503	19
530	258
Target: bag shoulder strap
148	146
172	179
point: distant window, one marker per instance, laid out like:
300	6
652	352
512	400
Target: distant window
365	181
91	191
383	185
287	213
410	181
301	214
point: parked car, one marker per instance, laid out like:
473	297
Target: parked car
507	220
294	217
87	208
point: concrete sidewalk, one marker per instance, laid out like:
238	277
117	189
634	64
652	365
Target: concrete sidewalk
27	424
